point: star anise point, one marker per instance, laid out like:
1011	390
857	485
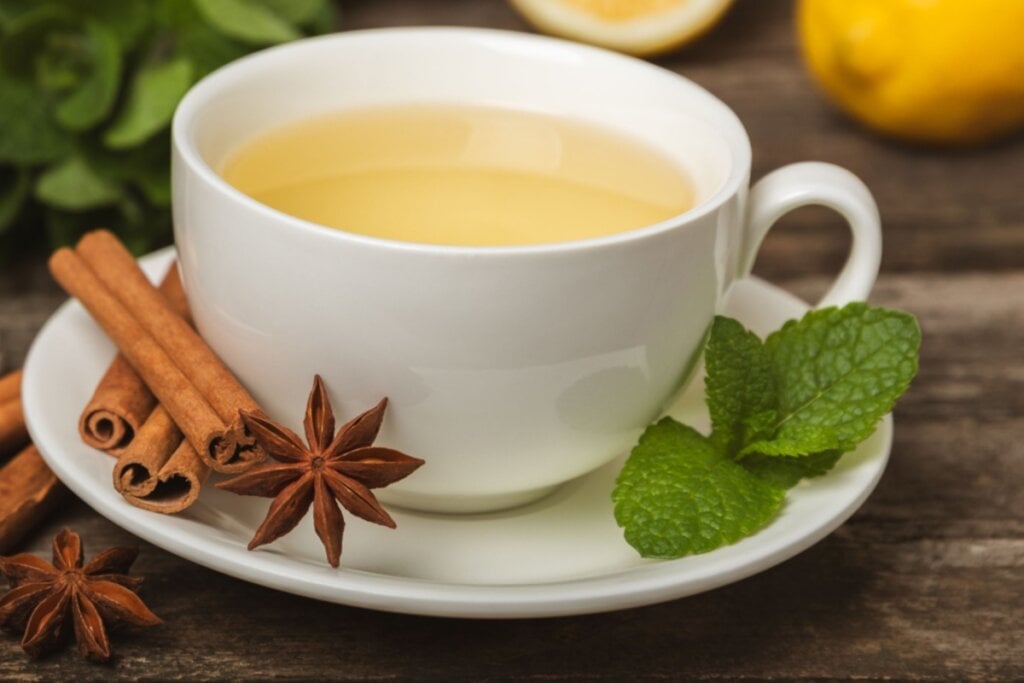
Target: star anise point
330	468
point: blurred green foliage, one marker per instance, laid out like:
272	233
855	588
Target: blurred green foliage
87	92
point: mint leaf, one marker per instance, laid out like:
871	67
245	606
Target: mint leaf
28	134
837	372
247	20
74	186
325	20
152	98
787	472
175	14
678	495
297	12
740	387
781	411
36	41
94	97
100	79
207	49
127	21
146	167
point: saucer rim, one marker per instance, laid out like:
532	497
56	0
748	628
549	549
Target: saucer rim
648	583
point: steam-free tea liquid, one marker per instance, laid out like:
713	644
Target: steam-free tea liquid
460	175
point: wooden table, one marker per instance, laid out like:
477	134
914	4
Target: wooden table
924	582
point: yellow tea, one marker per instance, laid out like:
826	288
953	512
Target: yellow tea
460	175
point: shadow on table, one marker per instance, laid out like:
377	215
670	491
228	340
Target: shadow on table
759	626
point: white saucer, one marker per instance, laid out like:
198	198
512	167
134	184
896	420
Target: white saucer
562	555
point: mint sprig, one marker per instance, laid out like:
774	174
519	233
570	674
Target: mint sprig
781	410
87	92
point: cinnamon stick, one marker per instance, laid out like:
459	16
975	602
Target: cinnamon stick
191	412
117	408
122	402
152	448
159	470
13	433
115	267
10	386
28	491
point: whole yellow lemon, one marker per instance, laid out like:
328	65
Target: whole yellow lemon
936	71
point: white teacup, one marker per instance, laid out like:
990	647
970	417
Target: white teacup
510	369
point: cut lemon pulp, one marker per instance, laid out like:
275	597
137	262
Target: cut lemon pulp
639	27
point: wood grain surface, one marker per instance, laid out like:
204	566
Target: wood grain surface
923	583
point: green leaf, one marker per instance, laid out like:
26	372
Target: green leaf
739	388
838	371
175	14
87	90
247	20
146	167
94	97
74	186
152	98
326	20
787	472
72	61
27	36
296	12
207	49
28	133
14	189
678	495
128	22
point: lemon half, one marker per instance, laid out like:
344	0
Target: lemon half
639	27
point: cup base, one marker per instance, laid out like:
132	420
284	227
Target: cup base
462	504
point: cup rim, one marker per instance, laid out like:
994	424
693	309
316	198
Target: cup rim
735	136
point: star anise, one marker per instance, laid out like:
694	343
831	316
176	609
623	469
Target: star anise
331	469
44	595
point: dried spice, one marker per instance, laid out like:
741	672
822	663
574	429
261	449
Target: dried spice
44	597
331	469
29	490
122	401
186	376
13	433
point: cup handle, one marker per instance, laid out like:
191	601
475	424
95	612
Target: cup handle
814	182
